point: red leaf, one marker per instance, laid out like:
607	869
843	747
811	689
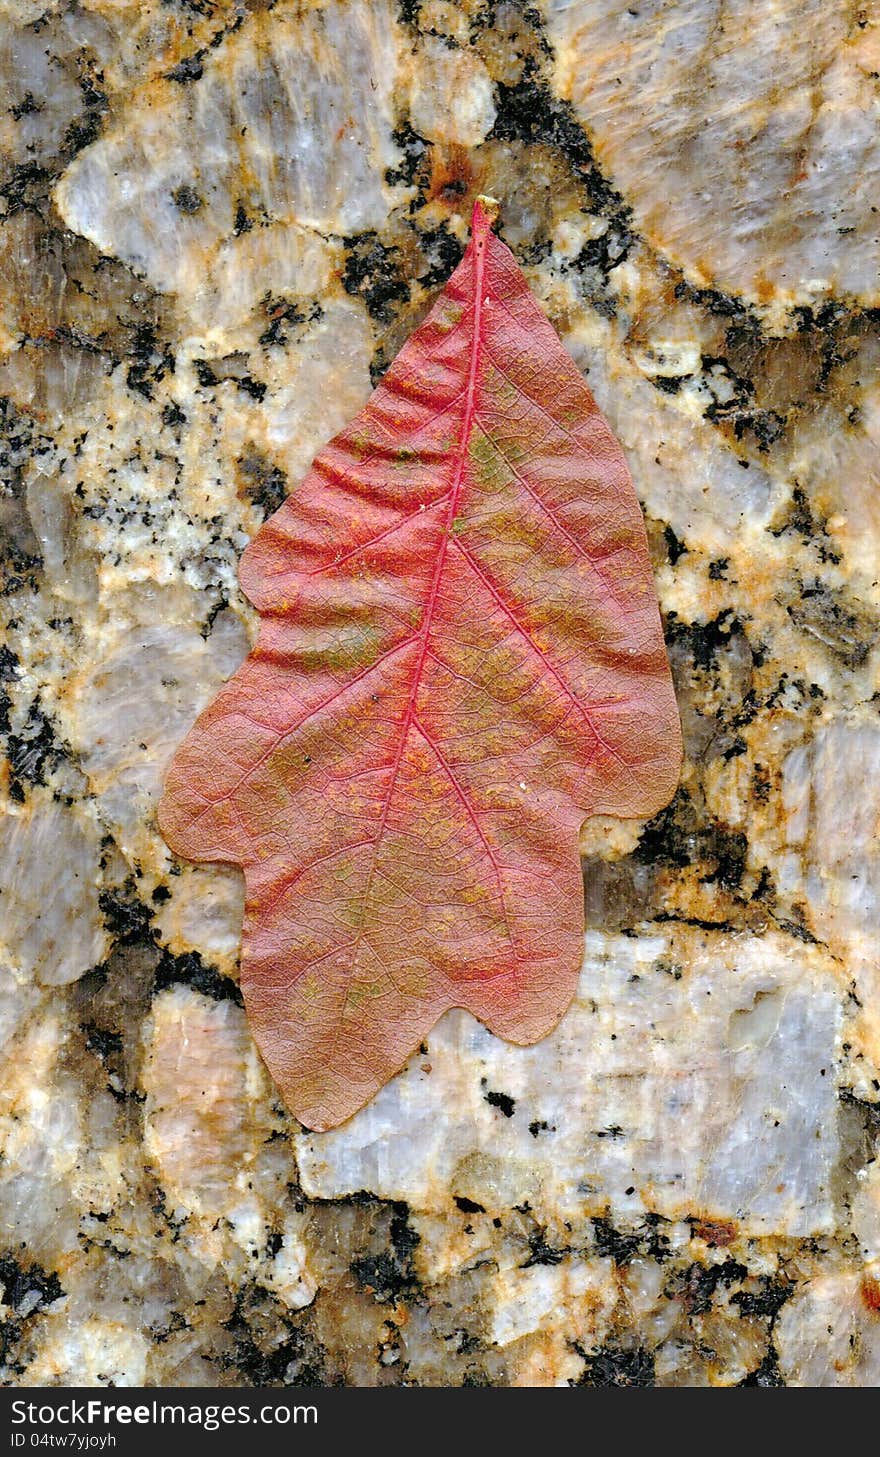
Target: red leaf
460	658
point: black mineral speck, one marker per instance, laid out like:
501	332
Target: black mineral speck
264	483
767	1300
101	1040
826	614
704	640
149	360
173	415
667	384
622	1246
190	970
443	251
614	1365
541	1252
469	1206
28	106
189	69
187	199
528	111
677	837
767	1374
374	273
282	314
699	1283
502	1101
389	1274
20	1282
243	223
125	915
250	386
269	1349
34	751
204	373
413	165
87	126
25	187
675	547
409	11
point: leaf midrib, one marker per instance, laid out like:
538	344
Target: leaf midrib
409	717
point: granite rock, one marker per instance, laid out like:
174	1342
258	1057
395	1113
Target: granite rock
217	226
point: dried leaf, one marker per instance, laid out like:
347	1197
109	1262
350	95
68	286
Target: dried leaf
460	658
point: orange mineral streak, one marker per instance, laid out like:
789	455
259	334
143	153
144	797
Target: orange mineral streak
460	658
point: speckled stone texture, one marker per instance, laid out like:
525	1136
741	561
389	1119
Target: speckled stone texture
220	220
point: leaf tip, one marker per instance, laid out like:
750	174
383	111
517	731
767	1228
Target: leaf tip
485	214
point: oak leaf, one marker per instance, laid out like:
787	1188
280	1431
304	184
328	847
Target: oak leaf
460	658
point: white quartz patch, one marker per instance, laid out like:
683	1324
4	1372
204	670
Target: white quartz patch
205	1123
705	1088
95	1352
199	1071
452	97
161	190
829	1333
546	1297
317	388
840	469
685	475
50	920
831	798
204	913
41	1133
831	791
265	263
130	710
744	137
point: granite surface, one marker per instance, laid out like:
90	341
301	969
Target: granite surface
220	219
